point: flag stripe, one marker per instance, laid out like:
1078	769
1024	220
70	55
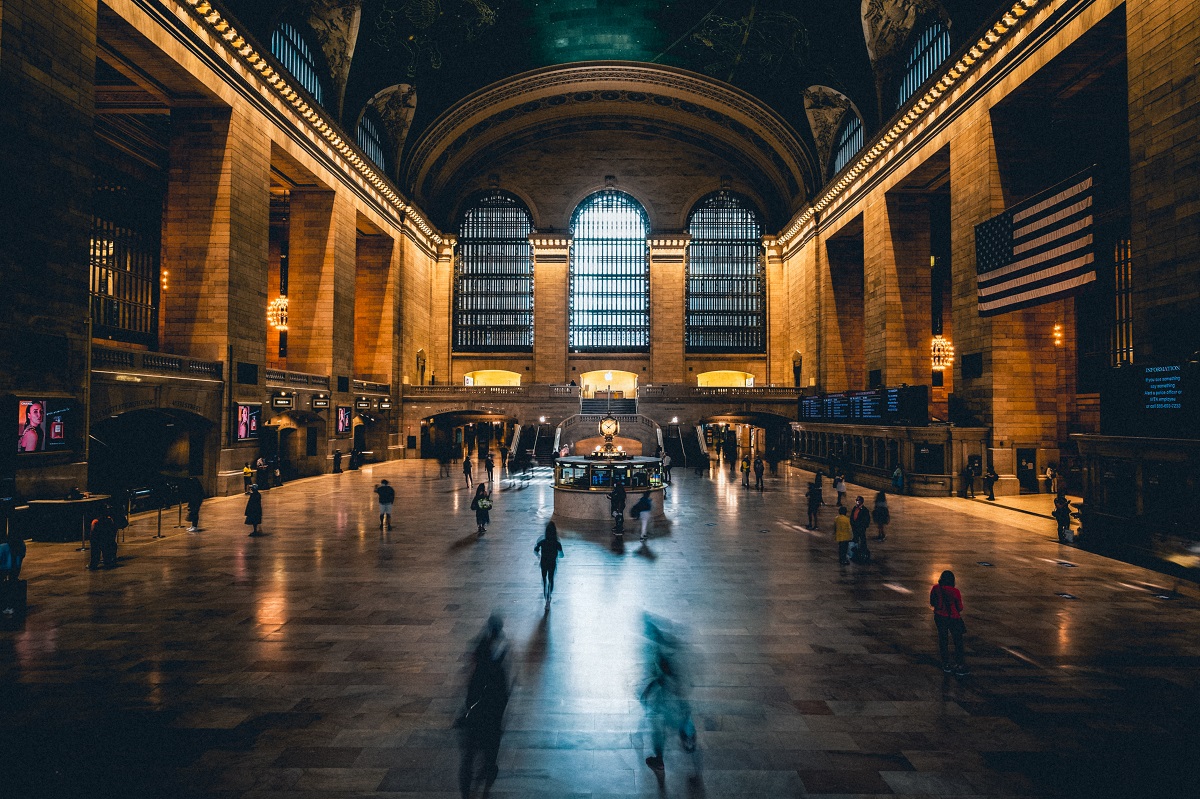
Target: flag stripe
1060	216
1040	275
1033	261
1022	215
1036	296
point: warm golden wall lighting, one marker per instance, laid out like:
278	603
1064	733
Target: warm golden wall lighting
1058	336
277	313
943	353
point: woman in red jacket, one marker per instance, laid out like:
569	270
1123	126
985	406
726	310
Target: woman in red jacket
947	615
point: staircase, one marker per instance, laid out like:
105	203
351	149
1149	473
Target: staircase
543	450
674	447
627	407
694	453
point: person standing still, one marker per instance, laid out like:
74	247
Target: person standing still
666	465
467	471
947	604
968	478
254	510
549	550
839	485
989	483
195	494
745	471
759	468
490	464
860	521
482	504
386	495
882	515
247	477
843	534
337	461
103	536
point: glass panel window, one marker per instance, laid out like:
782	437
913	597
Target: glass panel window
849	141
726	280
610	275
493	277
928	52
124	259
293	52
370	139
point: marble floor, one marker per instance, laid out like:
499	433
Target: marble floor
328	659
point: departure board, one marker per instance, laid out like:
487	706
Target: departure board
898	405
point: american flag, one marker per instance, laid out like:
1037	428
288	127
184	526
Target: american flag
1038	250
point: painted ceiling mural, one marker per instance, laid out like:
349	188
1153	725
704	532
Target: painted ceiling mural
446	50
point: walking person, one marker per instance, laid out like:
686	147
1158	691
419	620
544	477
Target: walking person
482	504
881	515
815	501
490	464
549	550
195	497
839	485
642	510
481	721
665	696
666	466
759	468
247	477
103	537
386	495
947	604
254	510
843	534
898	480
616	505
860	522
467	471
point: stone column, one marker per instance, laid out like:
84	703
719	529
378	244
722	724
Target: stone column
441	307
375	308
668	312
779	349
551	306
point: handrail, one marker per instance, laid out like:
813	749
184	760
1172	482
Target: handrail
370	387
287	377
155	362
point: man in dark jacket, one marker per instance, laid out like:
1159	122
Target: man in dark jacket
860	520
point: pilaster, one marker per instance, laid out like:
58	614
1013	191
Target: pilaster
668	302
551	306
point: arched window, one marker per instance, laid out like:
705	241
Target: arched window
493	277
929	50
849	141
726	282
610	275
370	138
293	52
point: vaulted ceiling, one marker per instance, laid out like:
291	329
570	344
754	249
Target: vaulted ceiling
803	61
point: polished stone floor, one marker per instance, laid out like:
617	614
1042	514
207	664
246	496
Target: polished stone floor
328	660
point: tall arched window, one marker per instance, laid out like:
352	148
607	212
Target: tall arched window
610	275
849	141
493	277
370	138
293	52
726	281
929	50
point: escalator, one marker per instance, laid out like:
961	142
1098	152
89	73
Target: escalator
693	452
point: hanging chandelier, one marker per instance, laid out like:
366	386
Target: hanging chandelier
942	352
277	313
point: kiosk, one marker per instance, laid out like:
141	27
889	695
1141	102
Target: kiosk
582	482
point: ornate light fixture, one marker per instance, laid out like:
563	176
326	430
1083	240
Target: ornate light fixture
277	313
942	351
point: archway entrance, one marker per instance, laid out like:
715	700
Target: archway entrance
492	377
150	448
598	384
730	436
454	435
725	378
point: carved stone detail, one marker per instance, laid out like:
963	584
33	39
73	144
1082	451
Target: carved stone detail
335	25
825	108
396	106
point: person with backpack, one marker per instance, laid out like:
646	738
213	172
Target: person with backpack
843	534
482	505
1062	515
947	604
386	495
759	468
549	550
481	721
642	510
881	514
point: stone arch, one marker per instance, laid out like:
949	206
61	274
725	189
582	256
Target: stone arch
396	106
826	108
888	26
334	25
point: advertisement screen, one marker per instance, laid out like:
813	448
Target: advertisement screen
343	418
42	425
248	418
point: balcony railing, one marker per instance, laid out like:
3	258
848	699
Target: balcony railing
679	392
108	358
282	377
369	387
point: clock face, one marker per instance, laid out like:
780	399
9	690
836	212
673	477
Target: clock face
608	426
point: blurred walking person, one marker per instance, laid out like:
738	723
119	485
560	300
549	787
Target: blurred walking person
481	721
665	696
642	510
881	515
549	550
815	501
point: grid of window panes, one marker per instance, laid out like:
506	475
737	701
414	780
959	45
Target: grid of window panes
124	262
1122	342
931	49
493	277
293	52
849	141
371	140
726	281
610	275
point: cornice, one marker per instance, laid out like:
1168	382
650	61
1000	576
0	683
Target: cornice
891	142
268	78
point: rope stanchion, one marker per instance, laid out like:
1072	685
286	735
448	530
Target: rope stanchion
160	532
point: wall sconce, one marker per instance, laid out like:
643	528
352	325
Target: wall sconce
277	313
1058	335
942	352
